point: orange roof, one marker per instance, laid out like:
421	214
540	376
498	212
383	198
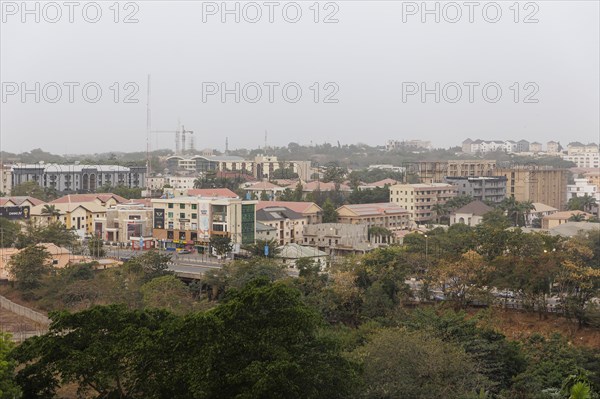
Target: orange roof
263	185
296	206
212	192
88	198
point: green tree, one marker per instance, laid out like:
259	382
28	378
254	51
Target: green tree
149	265
51	211
96	246
109	352
334	173
330	214
54	232
30	266
585	203
298	193
264	196
8	232
167	292
221	244
258	248
580	390
8	388
402	364
263	342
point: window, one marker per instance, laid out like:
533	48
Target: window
194	216
170	215
182	235
182	215
181	206
170	235
170	206
194	206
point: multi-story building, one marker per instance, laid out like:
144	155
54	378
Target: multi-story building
420	199
388	215
288	224
535	147
581	188
553	147
485	188
522	146
79	178
155	182
127	223
338	237
5	180
584	159
579	148
311	211
593	177
181	182
205	163
436	172
81	217
265	166
509	146
536	184
395	145
191	221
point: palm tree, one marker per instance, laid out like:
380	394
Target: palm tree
50	211
580	390
525	207
577	217
440	210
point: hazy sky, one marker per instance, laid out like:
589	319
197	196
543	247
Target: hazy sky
378	56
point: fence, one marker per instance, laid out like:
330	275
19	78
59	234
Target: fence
21	310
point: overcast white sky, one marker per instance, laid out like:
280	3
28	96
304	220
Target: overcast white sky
367	54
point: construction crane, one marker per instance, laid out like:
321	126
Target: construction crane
180	139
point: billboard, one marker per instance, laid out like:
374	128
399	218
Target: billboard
15	212
204	220
159	218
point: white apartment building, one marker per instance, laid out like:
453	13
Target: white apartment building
420	199
581	188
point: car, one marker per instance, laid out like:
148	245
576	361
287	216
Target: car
184	252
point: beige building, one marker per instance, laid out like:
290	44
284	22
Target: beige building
59	258
338	237
558	218
470	214
288	223
435	172
536	184
553	147
5	179
191	221
584	159
126	223
535	147
387	215
420	199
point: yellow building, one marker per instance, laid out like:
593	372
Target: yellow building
558	218
420	199
80	217
536	184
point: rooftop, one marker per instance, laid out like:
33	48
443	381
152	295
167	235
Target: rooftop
476	208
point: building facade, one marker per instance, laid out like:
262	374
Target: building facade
436	172
288	224
191	221
337	237
581	188
420	199
584	159
388	215
79	178
126	223
5	180
492	189
536	184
